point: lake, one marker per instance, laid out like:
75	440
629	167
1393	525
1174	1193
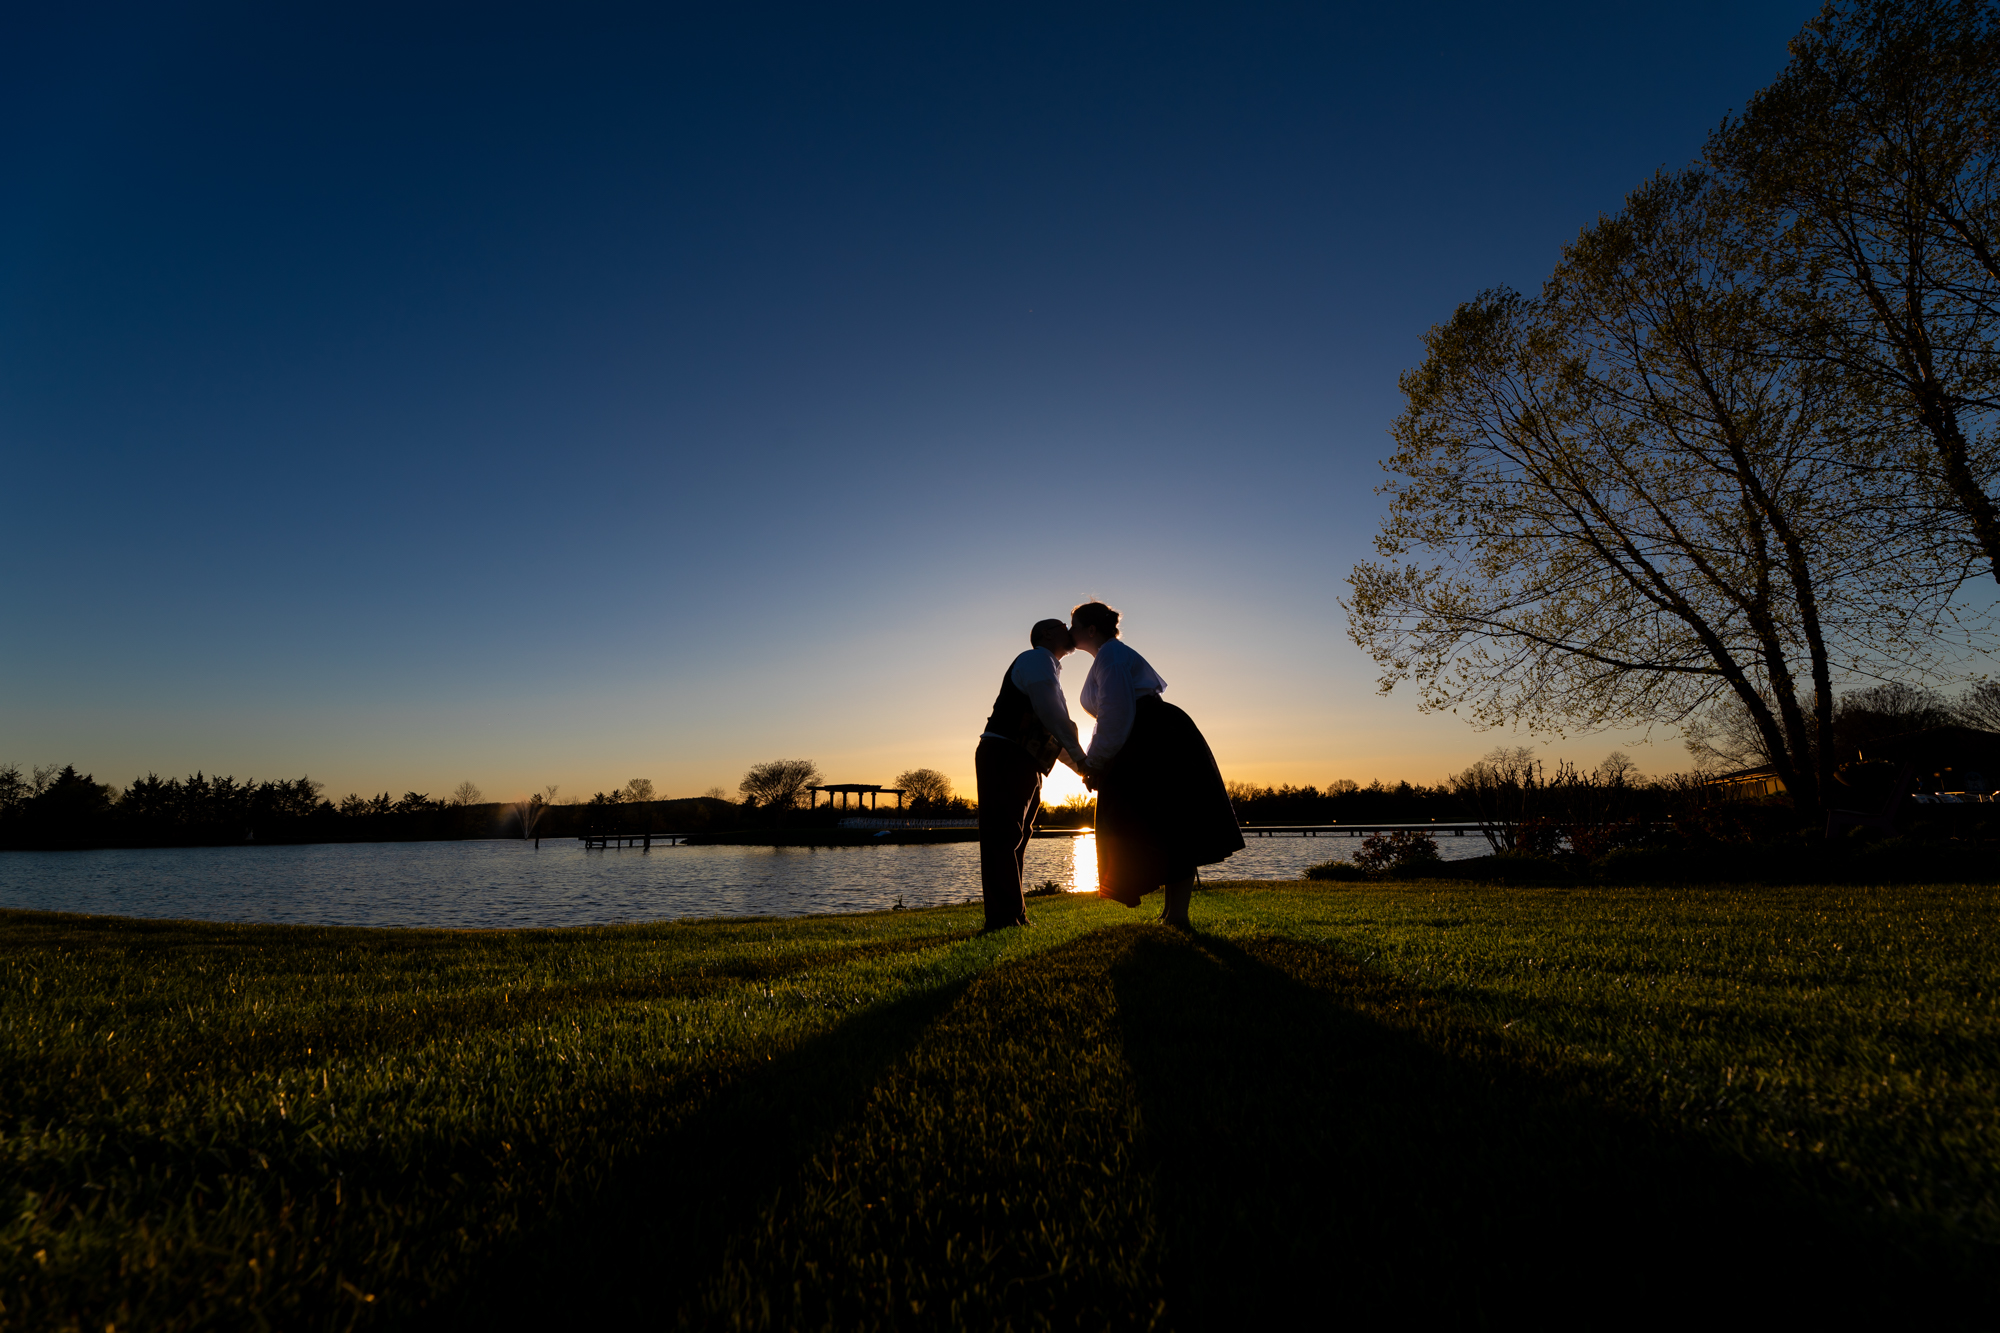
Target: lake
511	883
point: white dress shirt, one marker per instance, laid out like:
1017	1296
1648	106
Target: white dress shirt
1111	695
1037	673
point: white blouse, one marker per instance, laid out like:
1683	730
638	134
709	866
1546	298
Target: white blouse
1111	695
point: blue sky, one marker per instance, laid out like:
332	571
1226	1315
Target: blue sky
407	394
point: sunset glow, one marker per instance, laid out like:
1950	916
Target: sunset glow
770	360
1061	784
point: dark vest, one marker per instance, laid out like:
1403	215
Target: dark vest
1014	717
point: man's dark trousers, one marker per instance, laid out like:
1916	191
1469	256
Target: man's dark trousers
1010	796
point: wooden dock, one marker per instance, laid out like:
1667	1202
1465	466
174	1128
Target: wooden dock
642	840
1305	830
1352	830
646	840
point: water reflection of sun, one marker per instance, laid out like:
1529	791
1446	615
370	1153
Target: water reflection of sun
1083	864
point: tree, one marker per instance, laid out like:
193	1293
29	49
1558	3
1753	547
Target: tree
465	793
70	806
1078	808
1980	706
1618	767
924	788
14	790
715	794
638	789
1500	790
1869	172
780	784
1522	807
1242	793
1886	710
1726	738
1613	506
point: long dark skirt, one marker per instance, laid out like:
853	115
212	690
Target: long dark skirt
1161	809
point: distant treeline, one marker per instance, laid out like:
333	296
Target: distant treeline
51	809
59	809
1346	802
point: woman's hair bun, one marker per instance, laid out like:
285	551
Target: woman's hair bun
1097	616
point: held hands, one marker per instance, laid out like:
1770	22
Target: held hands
1073	753
1077	760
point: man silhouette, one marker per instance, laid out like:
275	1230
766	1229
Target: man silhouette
1028	731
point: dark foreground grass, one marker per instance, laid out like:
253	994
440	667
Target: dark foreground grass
1330	1104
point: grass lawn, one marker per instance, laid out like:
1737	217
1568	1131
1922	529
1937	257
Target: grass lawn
1332	1103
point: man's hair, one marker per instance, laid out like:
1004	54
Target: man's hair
1098	616
1049	634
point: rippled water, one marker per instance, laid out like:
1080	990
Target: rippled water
511	883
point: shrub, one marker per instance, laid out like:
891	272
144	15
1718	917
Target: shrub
1340	872
1405	849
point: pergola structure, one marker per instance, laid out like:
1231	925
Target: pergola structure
859	789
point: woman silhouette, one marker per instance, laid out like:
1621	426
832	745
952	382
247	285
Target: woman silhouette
1161	806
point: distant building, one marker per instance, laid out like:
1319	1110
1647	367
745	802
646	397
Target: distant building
857	790
1748	784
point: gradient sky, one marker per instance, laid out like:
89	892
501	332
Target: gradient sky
408	394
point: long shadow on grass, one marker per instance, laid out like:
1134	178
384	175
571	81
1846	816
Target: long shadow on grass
638	1252
991	1184
1316	1162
